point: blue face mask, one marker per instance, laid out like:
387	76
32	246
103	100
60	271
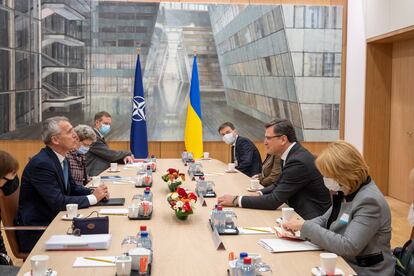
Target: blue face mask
83	149
104	129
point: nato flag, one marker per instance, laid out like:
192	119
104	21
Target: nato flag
139	138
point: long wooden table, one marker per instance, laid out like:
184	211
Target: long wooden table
182	247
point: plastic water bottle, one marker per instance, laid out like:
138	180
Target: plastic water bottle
247	268
213	215
145	240
148	194
153	158
143	228
149	170
219	219
239	262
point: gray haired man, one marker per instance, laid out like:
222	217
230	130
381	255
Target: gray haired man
47	184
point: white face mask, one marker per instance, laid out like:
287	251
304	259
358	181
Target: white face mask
229	138
331	184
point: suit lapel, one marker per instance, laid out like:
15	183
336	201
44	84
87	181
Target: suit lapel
58	168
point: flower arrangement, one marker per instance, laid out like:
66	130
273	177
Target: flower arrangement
182	202
173	178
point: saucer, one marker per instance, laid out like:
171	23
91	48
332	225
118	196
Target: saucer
317	272
54	273
205	158
253	190
65	217
233	171
113	171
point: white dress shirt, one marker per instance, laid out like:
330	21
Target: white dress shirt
91	198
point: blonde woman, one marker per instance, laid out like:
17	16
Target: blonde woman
358	225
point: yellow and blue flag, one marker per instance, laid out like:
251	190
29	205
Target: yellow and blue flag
193	135
139	138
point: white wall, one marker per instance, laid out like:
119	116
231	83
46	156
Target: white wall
355	75
367	19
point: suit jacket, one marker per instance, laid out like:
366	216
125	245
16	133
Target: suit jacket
43	195
100	156
300	185
363	227
270	170
248	157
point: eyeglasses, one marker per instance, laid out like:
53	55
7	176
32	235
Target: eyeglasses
267	138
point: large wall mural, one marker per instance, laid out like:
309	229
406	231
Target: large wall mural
256	63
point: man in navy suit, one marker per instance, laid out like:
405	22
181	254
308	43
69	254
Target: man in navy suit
47	185
300	185
244	153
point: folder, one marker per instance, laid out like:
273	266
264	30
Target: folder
112	202
71	242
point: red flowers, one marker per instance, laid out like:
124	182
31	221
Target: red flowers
181	192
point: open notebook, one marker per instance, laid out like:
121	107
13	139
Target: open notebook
283	245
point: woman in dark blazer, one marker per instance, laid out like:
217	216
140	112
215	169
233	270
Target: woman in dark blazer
358	225
270	170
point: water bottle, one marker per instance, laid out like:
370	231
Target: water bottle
239	262
247	268
149	170
153	158
213	215
145	240
219	219
148	194
143	228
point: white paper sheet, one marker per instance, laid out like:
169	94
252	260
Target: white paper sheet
108	211
282	245
67	242
82	262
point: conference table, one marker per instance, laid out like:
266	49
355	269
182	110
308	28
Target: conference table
181	247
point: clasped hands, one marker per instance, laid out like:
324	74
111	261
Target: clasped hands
101	193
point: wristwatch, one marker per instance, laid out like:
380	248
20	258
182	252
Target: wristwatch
4	259
235	201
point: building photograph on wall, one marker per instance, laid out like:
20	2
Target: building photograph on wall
255	63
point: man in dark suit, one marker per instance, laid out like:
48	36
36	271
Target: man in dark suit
244	153
100	156
47	185
300	185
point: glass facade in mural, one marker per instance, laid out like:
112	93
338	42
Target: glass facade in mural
256	63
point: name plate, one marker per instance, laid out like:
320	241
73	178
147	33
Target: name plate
218	244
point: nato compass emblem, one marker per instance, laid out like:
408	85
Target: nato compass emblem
138	111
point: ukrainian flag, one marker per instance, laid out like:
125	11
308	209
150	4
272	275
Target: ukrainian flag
193	135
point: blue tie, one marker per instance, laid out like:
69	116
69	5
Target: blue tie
65	172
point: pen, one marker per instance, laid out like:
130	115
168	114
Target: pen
259	230
98	260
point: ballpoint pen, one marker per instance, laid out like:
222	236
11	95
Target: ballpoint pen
98	260
256	229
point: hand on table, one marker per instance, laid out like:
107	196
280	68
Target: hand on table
128	160
293	225
226	200
101	193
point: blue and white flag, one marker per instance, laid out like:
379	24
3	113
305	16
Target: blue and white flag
139	137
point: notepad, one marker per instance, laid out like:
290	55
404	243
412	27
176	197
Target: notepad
82	262
282	245
121	211
255	230
70	242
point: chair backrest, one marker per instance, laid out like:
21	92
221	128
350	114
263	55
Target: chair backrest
8	212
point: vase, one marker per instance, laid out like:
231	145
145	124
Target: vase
181	216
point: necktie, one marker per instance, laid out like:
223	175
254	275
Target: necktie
281	164
65	172
232	154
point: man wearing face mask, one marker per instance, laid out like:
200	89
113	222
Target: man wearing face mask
300	185
100	156
244	153
9	182
76	157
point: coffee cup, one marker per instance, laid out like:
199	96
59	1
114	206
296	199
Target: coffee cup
71	210
287	214
133	211
231	167
206	155
114	167
123	265
39	264
328	262
255	184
